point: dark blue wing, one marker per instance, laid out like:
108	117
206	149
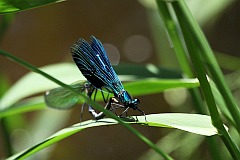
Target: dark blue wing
93	62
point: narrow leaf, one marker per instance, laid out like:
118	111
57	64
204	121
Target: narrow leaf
195	123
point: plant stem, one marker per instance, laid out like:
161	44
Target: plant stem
210	61
195	48
179	48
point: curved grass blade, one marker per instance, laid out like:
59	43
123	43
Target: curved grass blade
27	105
194	123
151	86
145	71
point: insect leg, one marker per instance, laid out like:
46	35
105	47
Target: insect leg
124	112
111	103
94	113
81	113
142	113
100	115
92	93
90	108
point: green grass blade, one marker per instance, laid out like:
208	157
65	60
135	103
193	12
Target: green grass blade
146	71
197	45
174	32
220	103
210	61
150	86
28	105
194	123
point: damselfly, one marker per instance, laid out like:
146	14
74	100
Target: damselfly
93	62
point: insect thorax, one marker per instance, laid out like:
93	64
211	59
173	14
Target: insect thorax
125	98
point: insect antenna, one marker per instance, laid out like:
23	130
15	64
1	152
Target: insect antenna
89	91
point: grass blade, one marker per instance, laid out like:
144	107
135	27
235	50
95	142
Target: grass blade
194	123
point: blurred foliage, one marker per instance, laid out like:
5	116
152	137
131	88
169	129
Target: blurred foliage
8	6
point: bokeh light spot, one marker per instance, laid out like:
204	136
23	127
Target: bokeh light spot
21	139
113	53
176	97
137	48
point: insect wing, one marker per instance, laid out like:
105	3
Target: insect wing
61	98
93	62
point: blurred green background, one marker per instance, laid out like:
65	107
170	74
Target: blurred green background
127	29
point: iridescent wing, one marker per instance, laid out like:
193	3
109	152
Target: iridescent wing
61	98
93	62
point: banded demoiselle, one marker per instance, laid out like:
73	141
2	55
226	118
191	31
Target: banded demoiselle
94	64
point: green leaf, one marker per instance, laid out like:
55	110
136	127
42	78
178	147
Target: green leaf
194	123
151	86
146	71
7	6
220	103
27	105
